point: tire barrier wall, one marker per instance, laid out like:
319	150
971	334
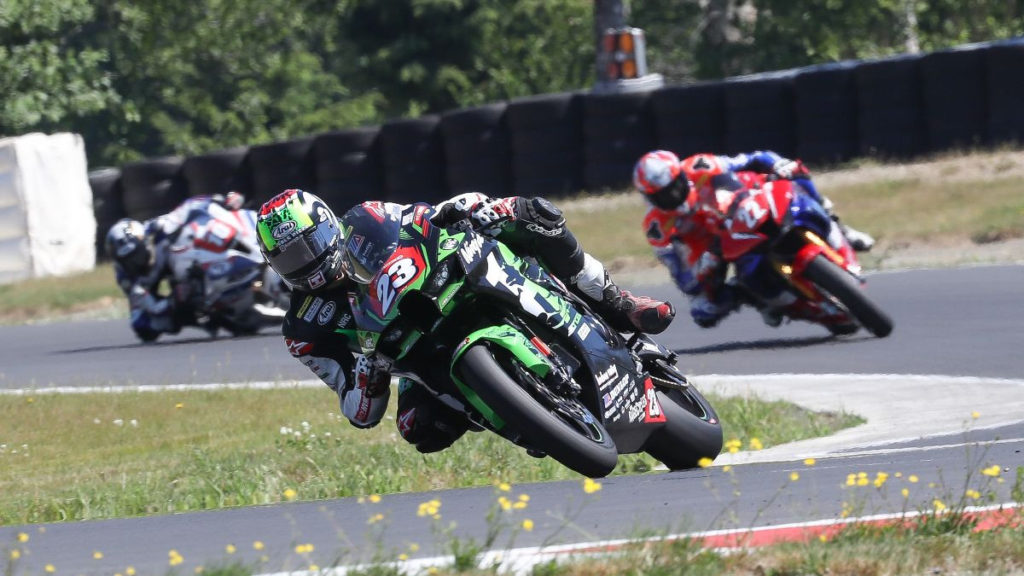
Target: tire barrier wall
279	166
217	172
413	155
547	144
892	119
617	130
826	114
953	83
560	144
477	151
152	187
348	165
760	114
107	204
690	119
1005	82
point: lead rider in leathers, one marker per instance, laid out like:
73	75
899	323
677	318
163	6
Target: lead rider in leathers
301	239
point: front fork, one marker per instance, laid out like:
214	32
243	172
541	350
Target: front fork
813	246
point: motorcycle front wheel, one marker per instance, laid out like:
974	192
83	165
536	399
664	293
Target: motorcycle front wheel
562	428
845	288
692	430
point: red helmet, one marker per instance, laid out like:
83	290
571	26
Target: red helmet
659	175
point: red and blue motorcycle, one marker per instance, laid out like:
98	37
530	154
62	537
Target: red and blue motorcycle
790	257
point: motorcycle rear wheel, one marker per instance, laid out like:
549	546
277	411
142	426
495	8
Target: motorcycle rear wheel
544	427
692	429
845	288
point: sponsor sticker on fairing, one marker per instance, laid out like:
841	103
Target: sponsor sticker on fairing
654	411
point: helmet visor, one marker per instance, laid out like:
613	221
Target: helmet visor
672	196
302	258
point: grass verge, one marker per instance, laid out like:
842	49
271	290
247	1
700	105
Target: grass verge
44	298
141	453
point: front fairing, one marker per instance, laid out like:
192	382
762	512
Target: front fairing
417	259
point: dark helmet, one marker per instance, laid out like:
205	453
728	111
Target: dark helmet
372	238
300	239
659	176
126	243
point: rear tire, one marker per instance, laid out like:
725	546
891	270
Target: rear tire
845	288
540	425
692	429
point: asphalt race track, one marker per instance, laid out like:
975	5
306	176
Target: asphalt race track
959	332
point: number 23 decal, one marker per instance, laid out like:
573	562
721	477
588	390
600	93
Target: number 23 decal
399	273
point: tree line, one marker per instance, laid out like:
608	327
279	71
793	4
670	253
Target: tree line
144	78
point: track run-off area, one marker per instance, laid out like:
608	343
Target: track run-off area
943	398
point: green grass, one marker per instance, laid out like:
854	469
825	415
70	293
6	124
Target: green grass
46	297
141	453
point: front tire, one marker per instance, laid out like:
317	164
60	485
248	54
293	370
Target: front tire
845	288
692	430
541	426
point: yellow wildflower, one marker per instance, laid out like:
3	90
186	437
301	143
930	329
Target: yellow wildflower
704	462
809	461
992	471
97	555
528	525
794	476
590	486
257	545
755	444
230	549
290	494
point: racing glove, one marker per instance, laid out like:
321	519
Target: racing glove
790	169
491	213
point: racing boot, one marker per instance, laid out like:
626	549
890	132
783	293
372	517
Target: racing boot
859	241
622	310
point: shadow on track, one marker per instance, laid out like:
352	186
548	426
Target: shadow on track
772	344
163	343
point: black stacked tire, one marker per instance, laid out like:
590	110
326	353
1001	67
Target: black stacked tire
837	282
547	144
891	108
617	130
348	165
760	114
826	114
477	150
413	155
107	204
689	119
273	168
152	187
1005	83
540	426
217	172
955	98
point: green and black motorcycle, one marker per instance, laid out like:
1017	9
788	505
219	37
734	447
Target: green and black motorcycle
498	338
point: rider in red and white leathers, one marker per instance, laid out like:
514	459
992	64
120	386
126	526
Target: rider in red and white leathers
689	199
302	240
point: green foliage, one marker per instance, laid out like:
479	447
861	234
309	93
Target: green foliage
143	79
49	71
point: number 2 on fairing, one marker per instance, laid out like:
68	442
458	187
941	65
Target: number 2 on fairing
398	274
751	212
